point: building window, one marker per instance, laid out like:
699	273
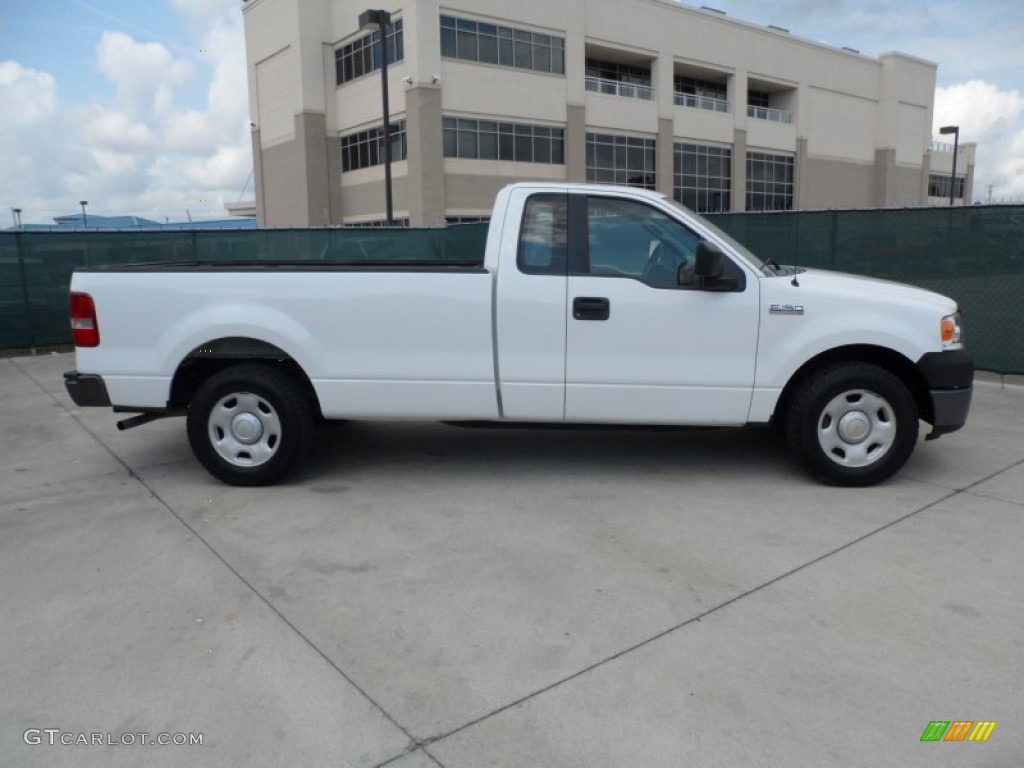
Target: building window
625	160
455	220
759	107
703	177
505	46
938	186
616	79
769	182
490	140
362	56
761	99
701	94
366	148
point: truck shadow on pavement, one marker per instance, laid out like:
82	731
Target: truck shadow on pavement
731	454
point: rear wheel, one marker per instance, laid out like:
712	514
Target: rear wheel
852	424
249	424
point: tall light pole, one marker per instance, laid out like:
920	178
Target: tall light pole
955	130
85	221
16	215
381	20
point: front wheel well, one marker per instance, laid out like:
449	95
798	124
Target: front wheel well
890	360
216	355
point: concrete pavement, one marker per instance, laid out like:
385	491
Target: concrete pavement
426	595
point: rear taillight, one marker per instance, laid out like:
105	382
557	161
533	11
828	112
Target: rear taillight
85	331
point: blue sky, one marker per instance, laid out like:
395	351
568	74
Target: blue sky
29	30
138	107
141	107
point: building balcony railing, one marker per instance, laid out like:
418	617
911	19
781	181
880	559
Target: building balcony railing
701	102
618	88
941	146
767	113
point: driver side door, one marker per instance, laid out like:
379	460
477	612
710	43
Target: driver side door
640	347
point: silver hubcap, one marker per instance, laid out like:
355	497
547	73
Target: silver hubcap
244	429
856	428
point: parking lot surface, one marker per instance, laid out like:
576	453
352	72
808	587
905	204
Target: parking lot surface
422	595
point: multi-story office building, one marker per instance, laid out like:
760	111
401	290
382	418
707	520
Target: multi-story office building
722	114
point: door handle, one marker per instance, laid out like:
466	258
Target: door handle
591	308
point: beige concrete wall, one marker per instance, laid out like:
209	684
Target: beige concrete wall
365	202
258	178
283	193
829	183
472	194
739	170
576	143
313	150
275	102
860	131
844	125
703	125
664	156
294	188
425	185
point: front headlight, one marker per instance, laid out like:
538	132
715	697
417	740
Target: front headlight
950	330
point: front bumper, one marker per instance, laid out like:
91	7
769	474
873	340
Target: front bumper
86	389
950	378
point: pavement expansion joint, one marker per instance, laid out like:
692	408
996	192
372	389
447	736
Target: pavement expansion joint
693	620
349	679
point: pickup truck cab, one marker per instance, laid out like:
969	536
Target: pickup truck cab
589	305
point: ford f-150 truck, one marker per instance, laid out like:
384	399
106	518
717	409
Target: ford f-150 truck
589	305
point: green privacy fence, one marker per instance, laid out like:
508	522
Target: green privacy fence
974	254
35	267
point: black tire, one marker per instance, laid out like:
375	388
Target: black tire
852	424
249	424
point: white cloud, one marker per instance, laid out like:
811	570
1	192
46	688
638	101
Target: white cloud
222	169
137	69
978	107
146	149
114	131
28	95
994	119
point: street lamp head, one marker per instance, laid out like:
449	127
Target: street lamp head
374	19
83	202
950	129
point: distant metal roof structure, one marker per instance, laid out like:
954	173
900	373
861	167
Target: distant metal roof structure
78	221
134	223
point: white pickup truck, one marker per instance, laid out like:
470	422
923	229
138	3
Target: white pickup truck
590	305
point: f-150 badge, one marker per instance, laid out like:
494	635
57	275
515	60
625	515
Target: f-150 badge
786	309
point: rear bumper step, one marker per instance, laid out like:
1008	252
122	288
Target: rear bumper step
86	389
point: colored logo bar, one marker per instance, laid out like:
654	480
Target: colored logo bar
958	730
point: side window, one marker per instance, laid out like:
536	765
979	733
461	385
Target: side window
544	236
631	239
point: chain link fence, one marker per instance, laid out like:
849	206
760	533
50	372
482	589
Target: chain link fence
973	254
36	267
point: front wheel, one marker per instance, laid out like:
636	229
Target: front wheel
852	424
249	424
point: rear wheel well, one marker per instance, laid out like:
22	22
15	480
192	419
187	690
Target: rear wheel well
888	359
214	356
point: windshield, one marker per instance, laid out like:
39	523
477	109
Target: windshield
733	243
